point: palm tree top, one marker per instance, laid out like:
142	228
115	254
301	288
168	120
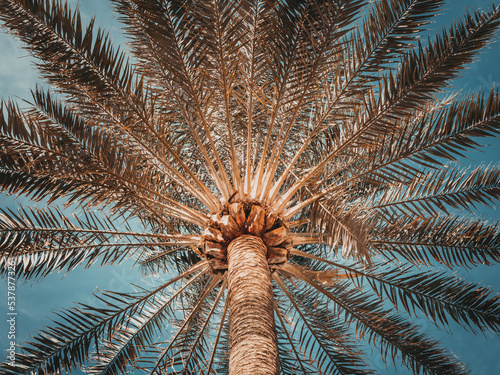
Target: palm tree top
288	166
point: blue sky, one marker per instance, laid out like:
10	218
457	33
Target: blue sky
35	302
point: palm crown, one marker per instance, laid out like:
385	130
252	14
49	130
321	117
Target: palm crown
286	166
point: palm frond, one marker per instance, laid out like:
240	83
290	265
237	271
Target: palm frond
197	357
67	345
179	59
223	327
123	346
86	66
289	345
439	296
327	345
39	242
436	64
322	26
440	190
54	34
447	240
388	29
391	25
171	356
92	163
392	333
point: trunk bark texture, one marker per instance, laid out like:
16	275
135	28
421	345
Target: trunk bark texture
254	348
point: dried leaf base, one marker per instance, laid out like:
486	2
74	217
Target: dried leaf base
241	218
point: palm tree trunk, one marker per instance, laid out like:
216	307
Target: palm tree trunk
254	348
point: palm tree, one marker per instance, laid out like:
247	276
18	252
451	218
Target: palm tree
286	170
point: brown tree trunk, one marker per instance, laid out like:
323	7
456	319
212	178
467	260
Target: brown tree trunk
254	348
